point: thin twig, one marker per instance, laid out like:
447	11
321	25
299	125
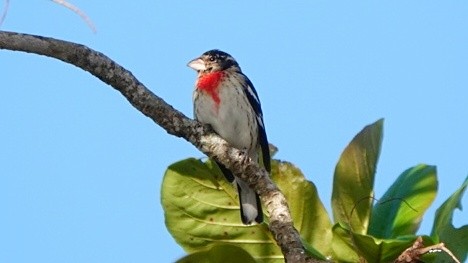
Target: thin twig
437	248
6	4
77	11
414	253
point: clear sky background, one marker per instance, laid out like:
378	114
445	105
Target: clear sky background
81	169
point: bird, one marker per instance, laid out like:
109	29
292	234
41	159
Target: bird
226	99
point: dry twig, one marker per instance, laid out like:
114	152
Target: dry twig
4	11
77	11
414	253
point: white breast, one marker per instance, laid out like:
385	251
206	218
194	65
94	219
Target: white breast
233	119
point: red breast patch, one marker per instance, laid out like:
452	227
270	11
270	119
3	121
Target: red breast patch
209	83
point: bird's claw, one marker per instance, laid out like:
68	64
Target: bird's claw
244	155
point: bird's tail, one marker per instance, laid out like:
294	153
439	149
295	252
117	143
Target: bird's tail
250	205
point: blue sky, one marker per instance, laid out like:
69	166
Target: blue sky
80	169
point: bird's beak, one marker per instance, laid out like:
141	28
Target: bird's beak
197	64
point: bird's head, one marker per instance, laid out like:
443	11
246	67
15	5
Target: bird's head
212	61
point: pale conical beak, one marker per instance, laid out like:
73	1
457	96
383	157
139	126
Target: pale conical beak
197	64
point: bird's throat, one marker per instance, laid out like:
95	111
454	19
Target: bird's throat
209	83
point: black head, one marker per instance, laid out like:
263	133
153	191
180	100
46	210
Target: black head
214	60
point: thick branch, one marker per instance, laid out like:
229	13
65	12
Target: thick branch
175	123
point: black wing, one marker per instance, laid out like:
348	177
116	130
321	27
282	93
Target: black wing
262	137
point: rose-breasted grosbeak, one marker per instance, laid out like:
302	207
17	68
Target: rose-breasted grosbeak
226	99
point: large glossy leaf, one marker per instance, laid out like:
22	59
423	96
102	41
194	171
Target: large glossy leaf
376	250
354	179
353	247
456	239
219	253
343	246
202	210
309	215
399	212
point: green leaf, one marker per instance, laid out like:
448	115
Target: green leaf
354	178
201	209
343	246
376	250
309	215
455	239
399	212
353	247
219	253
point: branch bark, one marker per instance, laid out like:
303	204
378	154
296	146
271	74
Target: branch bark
175	123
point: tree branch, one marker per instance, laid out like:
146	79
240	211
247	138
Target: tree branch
175	123
414	253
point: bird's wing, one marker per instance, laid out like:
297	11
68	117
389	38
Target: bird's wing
262	137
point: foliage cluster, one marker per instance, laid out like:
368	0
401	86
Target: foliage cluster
201	211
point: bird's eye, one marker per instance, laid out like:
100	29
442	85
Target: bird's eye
211	58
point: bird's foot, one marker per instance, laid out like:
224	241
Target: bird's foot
244	155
